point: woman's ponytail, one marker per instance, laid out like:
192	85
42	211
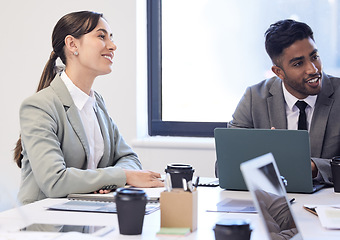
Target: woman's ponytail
17	152
49	72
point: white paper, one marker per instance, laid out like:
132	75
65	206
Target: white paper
329	216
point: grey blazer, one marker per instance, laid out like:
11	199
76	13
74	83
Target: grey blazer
55	147
263	106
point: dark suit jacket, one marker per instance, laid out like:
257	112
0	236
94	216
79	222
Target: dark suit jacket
55	147
263	106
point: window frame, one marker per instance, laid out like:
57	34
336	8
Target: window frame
156	126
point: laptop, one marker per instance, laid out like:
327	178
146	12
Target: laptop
270	199
290	149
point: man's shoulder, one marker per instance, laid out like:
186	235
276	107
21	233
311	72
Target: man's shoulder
330	86
267	83
267	87
334	80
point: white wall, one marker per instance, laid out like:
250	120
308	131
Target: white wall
25	45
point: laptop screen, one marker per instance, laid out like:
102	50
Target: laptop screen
262	178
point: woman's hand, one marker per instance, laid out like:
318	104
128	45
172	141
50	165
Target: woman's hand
106	189
101	191
143	178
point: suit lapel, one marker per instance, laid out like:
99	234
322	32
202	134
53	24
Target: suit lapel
322	109
276	106
106	137
71	111
75	120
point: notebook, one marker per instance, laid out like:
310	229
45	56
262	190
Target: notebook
96	206
270	199
290	148
153	195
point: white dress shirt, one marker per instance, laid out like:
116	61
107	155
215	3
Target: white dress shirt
87	108
293	112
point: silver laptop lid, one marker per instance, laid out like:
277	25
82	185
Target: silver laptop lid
270	199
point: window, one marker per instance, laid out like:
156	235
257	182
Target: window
202	55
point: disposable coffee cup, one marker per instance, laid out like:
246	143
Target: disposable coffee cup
178	171
232	229
335	166
130	210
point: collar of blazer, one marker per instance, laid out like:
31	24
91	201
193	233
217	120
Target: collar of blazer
61	90
322	110
276	105
65	97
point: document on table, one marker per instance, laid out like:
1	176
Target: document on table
235	206
329	216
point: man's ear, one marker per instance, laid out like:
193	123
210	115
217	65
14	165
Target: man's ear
71	44
278	72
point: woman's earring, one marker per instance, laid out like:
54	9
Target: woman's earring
75	53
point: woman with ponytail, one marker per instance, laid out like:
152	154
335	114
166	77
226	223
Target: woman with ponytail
69	143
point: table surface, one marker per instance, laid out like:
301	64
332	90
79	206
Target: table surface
309	224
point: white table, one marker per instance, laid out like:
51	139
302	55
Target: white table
14	219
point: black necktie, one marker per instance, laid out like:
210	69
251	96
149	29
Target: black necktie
302	124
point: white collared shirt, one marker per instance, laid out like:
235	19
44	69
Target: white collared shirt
293	112
87	107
